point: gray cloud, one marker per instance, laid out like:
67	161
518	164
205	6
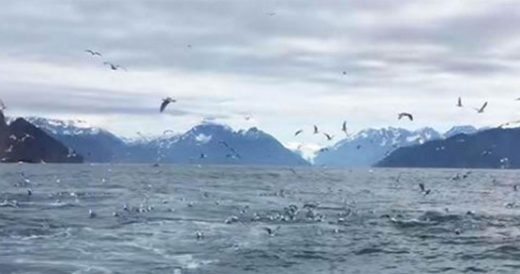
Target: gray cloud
388	47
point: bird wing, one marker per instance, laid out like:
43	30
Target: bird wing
298	132
344	127
484	106
315	129
164	104
421	185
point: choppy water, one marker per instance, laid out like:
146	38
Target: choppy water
180	219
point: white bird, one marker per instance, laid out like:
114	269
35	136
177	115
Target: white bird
482	108
404	114
166	102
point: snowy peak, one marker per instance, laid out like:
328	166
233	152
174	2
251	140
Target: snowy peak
460	130
371	145
64	127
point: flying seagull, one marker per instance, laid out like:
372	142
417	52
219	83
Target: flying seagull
316	129
93	53
329	137
482	108
404	114
298	132
344	127
113	66
166	101
459	102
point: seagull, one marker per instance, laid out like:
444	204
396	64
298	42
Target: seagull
482	108
459	102
323	149
344	73
113	66
298	132
344	127
424	190
404	114
329	137
93	53
199	235
316	129
421	186
203	156
166	101
271	231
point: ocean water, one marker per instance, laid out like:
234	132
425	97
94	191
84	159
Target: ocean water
197	219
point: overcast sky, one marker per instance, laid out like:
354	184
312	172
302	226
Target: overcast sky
279	61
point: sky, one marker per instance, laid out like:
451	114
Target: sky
279	62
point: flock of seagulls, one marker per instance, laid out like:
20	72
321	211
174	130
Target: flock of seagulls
111	65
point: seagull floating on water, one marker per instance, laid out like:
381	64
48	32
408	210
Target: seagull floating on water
166	101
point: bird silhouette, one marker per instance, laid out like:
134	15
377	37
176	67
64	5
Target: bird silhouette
459	102
316	131
113	66
344	127
482	108
93	53
404	114
329	137
298	132
166	101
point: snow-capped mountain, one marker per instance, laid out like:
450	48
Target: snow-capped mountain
460	130
211	143
371	145
207	143
95	144
63	127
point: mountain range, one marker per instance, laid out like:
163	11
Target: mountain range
208	143
370	146
211	143
21	141
491	148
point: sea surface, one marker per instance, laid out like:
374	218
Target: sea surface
209	219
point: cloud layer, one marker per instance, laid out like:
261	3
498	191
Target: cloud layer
281	62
